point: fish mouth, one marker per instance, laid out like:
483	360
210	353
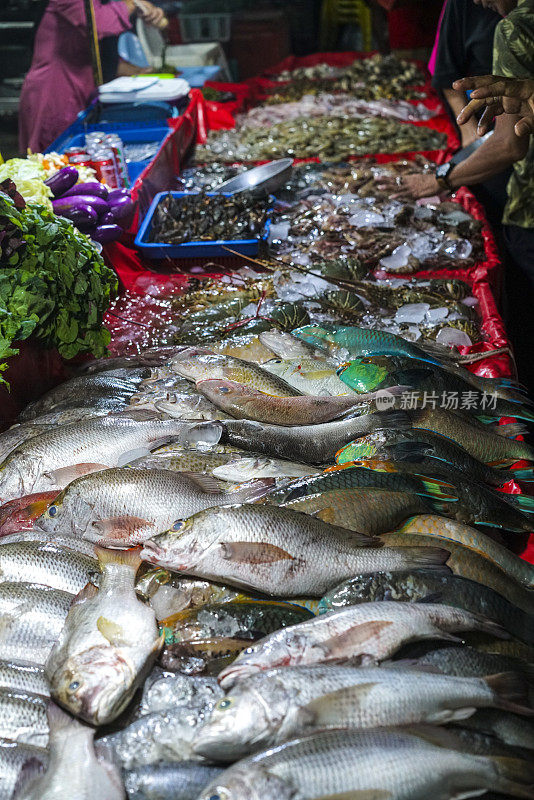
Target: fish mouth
152	552
217	745
235	672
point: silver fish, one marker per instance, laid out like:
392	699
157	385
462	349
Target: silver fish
367	764
22	677
31	619
272	550
46	563
107	646
119	507
366	633
165	781
60	455
19	763
273	706
23	717
73	770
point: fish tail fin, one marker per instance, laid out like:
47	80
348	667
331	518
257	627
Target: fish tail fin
522	501
397	419
439	491
409	451
515	777
424	557
251	491
511	692
511	429
130	557
524	413
526	474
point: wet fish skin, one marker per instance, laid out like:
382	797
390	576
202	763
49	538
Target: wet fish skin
45	462
31	619
205	639
118	507
423	586
73	769
479	440
418	446
415	770
119	383
244	402
310	444
469	564
196	365
463	661
46	563
23	677
23	717
430	525
20	514
14	757
181	781
310	375
511	729
107	646
275	551
370	511
285	345
270	707
370	632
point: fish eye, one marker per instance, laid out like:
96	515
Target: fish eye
52	511
74	685
178	525
224	389
248	651
224	704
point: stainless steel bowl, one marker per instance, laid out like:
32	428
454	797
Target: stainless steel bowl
262	180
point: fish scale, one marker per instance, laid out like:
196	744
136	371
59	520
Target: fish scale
272	550
300	700
48	564
369	764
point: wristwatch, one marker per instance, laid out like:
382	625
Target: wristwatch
442	175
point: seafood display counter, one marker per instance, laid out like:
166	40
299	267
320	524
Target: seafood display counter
277	539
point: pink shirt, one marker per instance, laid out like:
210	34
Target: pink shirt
434	53
60	82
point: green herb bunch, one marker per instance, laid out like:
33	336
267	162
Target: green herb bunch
54	286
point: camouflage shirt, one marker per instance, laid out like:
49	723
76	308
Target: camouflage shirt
513	57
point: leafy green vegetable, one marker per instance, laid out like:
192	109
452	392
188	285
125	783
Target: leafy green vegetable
53	287
30	179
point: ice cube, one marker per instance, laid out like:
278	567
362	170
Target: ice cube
398	258
452	337
436	314
412	312
365	218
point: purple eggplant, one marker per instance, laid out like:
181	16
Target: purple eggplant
107	219
61	181
118	193
100	206
106	233
121	207
93	189
77	210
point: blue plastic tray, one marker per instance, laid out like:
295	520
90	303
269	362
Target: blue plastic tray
197	76
132	136
202	249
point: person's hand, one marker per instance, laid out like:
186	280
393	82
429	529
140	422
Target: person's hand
410	187
150	13
498	95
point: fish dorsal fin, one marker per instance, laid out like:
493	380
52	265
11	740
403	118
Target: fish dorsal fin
254	552
87	593
324	710
354	638
113	632
208	483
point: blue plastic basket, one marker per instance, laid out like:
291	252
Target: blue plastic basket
131	136
201	249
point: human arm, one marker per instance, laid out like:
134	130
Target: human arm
456	100
492	157
498	95
111	19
